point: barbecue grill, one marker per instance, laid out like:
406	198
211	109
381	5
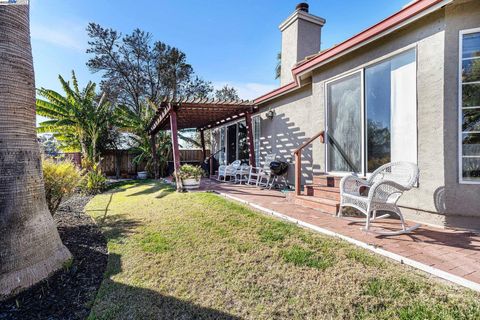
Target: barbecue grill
279	169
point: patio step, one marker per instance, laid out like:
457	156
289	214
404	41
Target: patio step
325	205
321	191
327	180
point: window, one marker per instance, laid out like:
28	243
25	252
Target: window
221	158
256	138
344	124
391	111
469	104
372	116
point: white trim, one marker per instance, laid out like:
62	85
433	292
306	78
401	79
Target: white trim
396	257
460	107
299	14
326	83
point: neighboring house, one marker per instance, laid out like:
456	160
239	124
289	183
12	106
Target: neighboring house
406	89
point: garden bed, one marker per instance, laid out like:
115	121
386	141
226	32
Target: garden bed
68	293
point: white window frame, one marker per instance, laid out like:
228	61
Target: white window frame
361	68
257	160
460	157
362	119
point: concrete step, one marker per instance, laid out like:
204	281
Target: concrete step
327	180
320	191
325	205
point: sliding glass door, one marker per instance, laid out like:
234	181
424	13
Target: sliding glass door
365	133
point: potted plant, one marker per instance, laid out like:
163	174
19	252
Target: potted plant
190	176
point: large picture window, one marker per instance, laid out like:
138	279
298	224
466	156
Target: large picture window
469	104
391	109
372	116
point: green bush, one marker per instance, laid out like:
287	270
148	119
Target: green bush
188	171
61	178
93	181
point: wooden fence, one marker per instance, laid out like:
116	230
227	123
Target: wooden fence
122	161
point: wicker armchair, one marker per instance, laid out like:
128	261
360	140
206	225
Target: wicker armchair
379	193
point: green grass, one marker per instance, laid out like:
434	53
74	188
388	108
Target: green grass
199	256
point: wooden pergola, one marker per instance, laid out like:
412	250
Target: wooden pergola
201	114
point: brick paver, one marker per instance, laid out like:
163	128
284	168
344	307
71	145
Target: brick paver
453	251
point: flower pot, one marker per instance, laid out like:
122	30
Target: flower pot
142	175
191	183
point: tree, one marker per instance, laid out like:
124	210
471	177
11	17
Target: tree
81	119
30	247
227	93
278	67
137	72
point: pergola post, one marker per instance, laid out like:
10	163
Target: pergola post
153	147
175	147
202	141
251	144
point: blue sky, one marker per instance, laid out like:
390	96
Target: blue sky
226	41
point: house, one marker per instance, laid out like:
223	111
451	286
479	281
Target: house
405	89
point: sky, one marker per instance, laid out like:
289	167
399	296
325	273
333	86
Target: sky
226	41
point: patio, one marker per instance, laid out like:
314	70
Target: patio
449	254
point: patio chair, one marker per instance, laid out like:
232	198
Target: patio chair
221	172
231	170
383	189
242	173
261	176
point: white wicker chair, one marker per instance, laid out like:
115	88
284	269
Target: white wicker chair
231	170
242	173
383	188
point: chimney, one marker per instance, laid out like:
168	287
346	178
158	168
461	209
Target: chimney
300	38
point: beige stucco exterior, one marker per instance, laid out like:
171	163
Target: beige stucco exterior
439	198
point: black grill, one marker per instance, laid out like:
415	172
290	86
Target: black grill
279	168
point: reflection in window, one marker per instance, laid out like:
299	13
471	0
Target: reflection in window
344	124
242	142
391	107
470	106
377	98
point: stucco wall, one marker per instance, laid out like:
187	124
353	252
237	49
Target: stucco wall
458	199
439	199
427	37
296	119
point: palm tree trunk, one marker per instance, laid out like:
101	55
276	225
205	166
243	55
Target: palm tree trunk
30	247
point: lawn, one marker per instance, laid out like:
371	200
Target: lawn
199	256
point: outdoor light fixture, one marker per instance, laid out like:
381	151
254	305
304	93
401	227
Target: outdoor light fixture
270	114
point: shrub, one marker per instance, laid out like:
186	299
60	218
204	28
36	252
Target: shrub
61	178
188	171
94	181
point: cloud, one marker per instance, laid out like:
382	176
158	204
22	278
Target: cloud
66	35
248	90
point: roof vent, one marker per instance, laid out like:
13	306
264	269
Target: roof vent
302	6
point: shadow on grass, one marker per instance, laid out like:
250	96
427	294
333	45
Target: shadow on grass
152	189
147	304
116	227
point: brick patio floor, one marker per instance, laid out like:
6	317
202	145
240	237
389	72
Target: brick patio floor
454	252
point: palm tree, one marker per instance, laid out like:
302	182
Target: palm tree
278	67
152	150
79	119
30	247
